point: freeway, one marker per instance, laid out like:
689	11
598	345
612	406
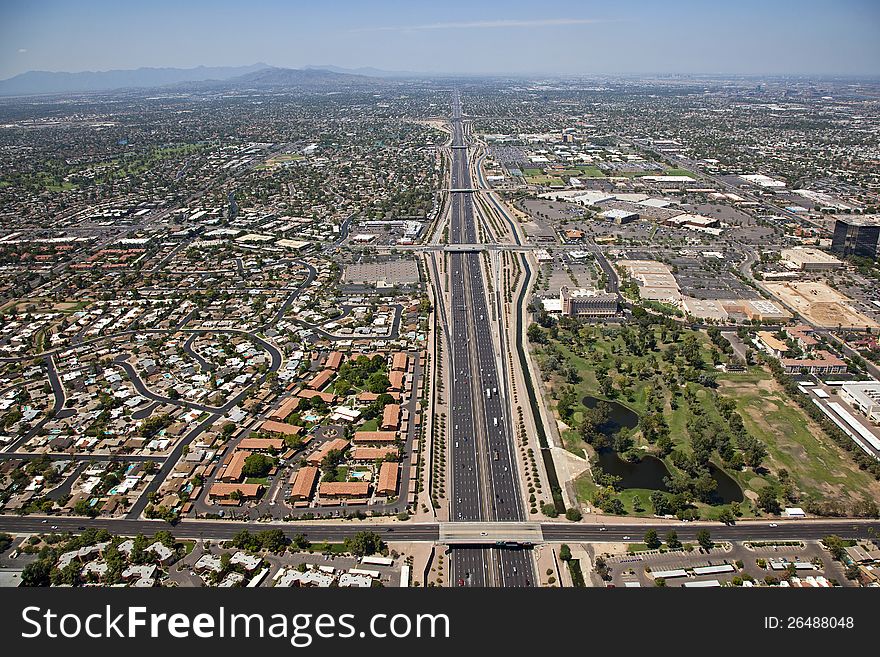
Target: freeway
805	530
485	484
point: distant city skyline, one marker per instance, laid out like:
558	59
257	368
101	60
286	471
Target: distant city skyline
818	37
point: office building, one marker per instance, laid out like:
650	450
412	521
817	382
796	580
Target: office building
856	235
587	303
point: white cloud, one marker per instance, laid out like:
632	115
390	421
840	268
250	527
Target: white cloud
22	50
540	22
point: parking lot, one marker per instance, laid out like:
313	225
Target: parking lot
630	569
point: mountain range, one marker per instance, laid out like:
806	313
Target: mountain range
199	78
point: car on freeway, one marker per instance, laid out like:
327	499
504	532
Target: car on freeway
773	524
626	538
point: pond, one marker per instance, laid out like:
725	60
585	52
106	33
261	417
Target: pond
728	490
649	471
619	416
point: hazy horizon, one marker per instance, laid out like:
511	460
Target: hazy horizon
677	37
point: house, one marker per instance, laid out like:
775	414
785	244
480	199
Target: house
262	444
396	380
368	454
823	363
273	426
321	379
803	335
234	466
304	483
387	479
227	491
326	397
338	444
390	417
343	489
771	344
282	411
374	437
334	360
399	362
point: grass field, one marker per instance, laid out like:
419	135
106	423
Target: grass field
370	425
794	442
547	181
678	172
583	172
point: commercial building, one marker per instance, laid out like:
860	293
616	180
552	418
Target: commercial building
863	396
857	235
655	280
810	260
692	221
587	303
619	216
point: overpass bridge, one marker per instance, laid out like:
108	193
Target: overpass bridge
509	534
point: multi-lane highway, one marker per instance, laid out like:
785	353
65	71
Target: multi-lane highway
485	485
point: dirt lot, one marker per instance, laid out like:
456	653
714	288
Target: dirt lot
820	304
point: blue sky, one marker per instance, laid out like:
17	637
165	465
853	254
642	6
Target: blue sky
670	36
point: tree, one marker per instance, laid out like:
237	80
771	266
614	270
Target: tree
300	542
726	516
364	543
536	334
549	510
257	465
83	508
565	552
661	503
768	501
652	541
573	514
836	546
36	573
672	541
705	539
